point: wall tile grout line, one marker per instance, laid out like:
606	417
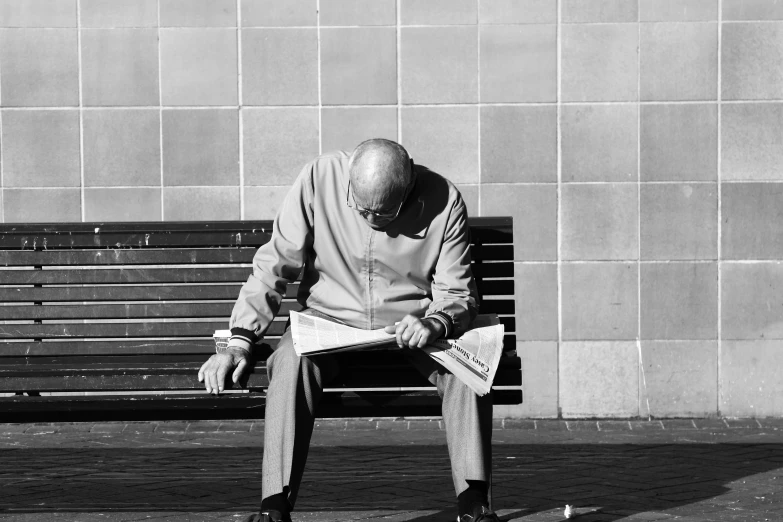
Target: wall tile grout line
500	184
318	73
719	355
420	26
559	197
398	30
160	114
478	99
640	371
83	210
411	105
240	114
2	152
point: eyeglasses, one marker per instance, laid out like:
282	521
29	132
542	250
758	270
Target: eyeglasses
366	212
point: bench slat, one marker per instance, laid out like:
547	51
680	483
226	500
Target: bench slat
174	275
152	239
130	311
145	375
169	310
92	381
125	275
103	330
175	256
122	256
126	293
140	329
17	236
124	347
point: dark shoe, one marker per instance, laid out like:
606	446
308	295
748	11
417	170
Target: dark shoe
482	515
268	516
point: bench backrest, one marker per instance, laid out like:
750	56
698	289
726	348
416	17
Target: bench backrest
90	292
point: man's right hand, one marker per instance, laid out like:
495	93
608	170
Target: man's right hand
213	373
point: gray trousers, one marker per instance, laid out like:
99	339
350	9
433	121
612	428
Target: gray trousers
295	388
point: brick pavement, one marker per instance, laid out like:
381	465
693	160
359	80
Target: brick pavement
396	470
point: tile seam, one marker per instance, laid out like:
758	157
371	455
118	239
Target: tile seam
559	196
408	105
398	64
83	210
419	26
240	114
318	74
640	371
160	114
478	99
2	154
720	209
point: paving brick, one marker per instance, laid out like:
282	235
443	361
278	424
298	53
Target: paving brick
646	425
203	427
140	427
678	424
742	423
172	427
113	427
396	425
361	425
233	426
614	425
519	424
327	424
424	425
551	425
710	423
582	425
771	422
33	430
76	428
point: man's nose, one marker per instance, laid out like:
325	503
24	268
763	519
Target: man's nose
375	221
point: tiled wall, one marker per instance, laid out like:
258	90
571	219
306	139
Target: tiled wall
637	143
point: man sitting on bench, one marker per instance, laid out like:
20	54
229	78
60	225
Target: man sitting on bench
381	241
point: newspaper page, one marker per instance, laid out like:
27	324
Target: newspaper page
473	358
313	335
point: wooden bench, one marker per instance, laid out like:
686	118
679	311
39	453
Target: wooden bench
126	311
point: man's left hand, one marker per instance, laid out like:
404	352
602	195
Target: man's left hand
413	332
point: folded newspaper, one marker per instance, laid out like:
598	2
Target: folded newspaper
473	358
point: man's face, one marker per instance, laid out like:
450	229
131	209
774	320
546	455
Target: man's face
378	209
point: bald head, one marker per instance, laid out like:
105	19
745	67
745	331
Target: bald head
380	172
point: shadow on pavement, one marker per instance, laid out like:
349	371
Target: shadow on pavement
613	481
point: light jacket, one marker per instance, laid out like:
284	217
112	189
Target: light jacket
419	264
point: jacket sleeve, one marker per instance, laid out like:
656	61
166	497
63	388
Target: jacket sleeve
275	264
454	294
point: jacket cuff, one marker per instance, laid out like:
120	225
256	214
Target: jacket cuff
444	319
240	334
